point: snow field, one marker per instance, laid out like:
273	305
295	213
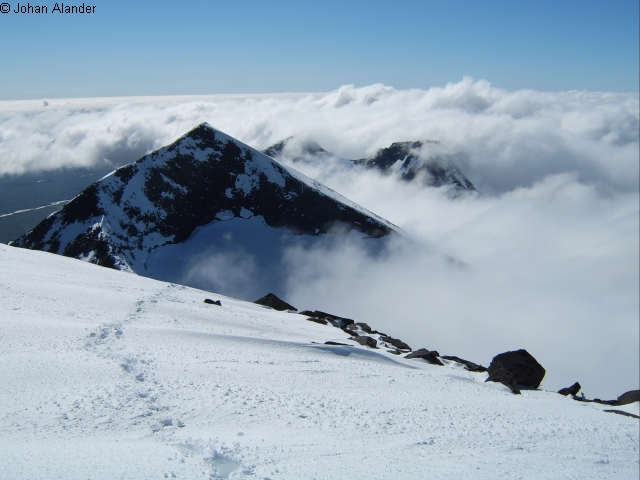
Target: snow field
106	374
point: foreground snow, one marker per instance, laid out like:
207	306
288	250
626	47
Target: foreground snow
108	375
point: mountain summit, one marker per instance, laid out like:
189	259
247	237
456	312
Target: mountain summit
411	161
207	190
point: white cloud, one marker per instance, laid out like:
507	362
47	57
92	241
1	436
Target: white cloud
508	138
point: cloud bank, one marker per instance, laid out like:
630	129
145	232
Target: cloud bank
508	138
546	253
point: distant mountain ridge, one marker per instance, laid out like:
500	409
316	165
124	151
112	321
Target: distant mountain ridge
203	178
402	158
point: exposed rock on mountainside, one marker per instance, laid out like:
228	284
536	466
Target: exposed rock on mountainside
572	390
472	367
273	301
203	178
403	158
429	356
526	370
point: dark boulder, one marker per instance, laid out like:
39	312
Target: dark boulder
525	369
505	377
472	367
366	341
631	396
335	343
572	390
431	357
212	302
399	344
272	300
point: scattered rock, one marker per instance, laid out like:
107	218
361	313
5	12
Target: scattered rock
339	322
364	327
399	344
621	412
272	300
212	302
318	320
526	370
505	377
431	357
366	341
472	367
604	402
572	390
350	332
626	398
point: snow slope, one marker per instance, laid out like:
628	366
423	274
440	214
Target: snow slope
109	375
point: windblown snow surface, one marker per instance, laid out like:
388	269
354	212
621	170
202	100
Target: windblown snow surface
106	374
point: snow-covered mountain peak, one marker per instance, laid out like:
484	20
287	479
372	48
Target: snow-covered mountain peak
188	188
410	160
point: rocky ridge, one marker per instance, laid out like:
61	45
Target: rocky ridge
400	158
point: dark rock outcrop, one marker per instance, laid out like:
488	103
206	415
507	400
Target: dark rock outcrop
336	321
472	367
572	390
363	326
505	377
366	341
321	321
525	369
212	302
626	398
399	344
336	343
429	356
272	300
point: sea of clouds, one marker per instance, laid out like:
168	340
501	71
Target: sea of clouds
545	254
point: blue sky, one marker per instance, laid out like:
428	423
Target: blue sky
211	47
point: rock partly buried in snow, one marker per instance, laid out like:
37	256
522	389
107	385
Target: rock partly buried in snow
212	302
272	300
363	326
366	341
336	321
399	344
572	390
626	398
321	321
472	367
429	356
621	412
505	377
525	369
